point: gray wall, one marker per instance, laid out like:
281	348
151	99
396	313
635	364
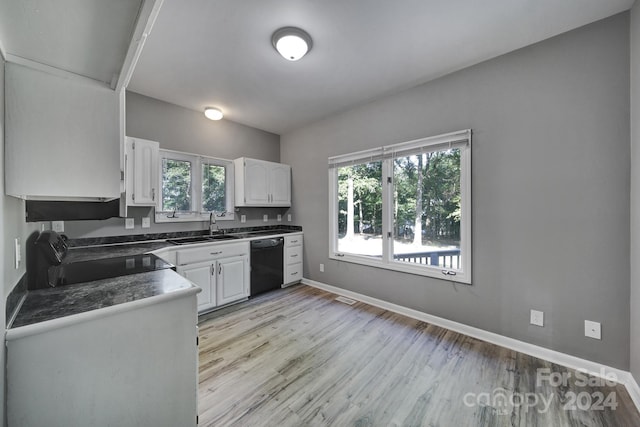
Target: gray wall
550	190
635	192
115	226
178	128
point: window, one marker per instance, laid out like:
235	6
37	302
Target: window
213	188
405	207
194	186
176	185
360	209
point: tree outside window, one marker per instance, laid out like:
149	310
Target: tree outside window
405	206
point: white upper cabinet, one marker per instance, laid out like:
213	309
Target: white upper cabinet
280	184
254	183
62	138
262	183
141	159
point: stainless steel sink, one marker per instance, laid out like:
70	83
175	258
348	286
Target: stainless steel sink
200	239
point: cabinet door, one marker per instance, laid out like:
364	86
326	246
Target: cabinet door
256	182
202	274
61	137
232	279
142	167
280	184
145	175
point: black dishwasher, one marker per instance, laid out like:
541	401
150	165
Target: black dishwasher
266	264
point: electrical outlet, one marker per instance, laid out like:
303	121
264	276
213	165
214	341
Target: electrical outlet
289	217
592	329
243	218
146	222
537	318
57	226
279	218
129	223
265	218
321	268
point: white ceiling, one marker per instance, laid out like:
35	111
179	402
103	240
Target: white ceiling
219	53
85	37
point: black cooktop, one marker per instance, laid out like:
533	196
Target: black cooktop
106	268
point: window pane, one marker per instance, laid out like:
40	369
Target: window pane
427	209
360	209
213	188
176	185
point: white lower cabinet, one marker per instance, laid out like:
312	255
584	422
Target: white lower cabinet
222	271
292	259
232	279
201	275
134	364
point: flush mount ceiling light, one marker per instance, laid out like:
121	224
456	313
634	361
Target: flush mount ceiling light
291	42
213	113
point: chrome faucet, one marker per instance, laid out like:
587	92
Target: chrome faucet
212	223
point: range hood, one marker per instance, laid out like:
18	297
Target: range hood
70	211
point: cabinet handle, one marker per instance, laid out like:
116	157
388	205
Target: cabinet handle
212	270
294	241
219	268
294	256
153	194
294	273
216	253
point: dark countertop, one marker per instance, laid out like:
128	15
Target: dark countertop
145	238
63	301
53	303
78	254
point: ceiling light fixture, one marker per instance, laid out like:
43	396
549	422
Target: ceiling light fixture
291	42
213	113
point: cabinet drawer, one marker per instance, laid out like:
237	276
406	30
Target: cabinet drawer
294	240
293	255
210	252
293	273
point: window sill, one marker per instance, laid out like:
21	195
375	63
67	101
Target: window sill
190	217
436	273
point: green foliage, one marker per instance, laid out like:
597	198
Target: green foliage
440	195
367	195
213	188
176	185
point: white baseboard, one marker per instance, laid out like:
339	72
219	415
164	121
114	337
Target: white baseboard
633	389
593	368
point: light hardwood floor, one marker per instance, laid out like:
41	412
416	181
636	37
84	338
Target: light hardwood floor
297	357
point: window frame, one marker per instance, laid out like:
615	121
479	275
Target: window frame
386	155
196	214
